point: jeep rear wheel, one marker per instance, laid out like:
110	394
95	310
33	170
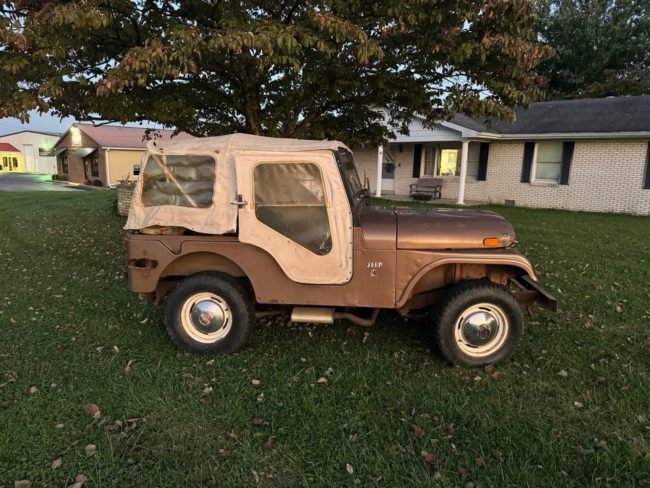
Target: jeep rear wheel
209	312
477	323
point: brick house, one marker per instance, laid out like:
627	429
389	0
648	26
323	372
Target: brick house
590	155
106	153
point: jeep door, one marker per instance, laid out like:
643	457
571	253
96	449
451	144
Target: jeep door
297	210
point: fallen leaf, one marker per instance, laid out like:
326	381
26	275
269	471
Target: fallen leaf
269	443
295	379
469	485
488	368
127	369
619	309
144	321
480	461
462	472
116	349
79	481
322	379
258	421
601	380
417	429
349	469
33	390
563	373
437	475
12	320
329	372
642	419
366	336
430	459
600	444
91	450
578	404
256	476
92	409
56	464
211	362
59	426
208	390
255	382
22	484
353	438
498	455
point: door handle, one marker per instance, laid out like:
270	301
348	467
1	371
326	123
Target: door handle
239	203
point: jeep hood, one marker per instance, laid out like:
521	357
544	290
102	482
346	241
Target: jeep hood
441	228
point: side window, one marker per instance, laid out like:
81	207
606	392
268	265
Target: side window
15	161
183	181
136	170
290	199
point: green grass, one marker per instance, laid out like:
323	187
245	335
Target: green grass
69	327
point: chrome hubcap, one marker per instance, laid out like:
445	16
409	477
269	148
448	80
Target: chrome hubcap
481	329
206	317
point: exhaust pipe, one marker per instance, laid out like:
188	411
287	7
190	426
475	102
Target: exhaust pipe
326	315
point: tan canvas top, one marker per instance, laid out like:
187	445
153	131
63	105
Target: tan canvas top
241	142
194	193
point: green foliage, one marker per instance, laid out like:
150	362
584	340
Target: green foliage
292	68
97	183
602	47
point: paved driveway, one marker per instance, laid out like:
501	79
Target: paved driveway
31	182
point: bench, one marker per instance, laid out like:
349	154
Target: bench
426	188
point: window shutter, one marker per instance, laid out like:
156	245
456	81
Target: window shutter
529	151
646	183
417	158
567	156
484	153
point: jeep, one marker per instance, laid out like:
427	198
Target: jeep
225	227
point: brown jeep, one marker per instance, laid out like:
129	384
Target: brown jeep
225	225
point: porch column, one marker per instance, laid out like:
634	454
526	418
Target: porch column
380	160
463	172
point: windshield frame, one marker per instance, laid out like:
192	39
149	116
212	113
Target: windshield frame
355	196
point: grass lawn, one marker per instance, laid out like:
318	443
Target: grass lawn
570	408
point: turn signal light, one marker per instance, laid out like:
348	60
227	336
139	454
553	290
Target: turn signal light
492	242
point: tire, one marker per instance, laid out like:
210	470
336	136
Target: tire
209	313
477	323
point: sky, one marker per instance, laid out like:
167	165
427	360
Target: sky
44	123
38	122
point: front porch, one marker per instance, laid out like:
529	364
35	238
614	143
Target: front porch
453	154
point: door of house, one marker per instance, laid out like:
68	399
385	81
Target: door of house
388	171
30	163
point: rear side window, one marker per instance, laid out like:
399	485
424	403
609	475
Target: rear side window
183	181
290	199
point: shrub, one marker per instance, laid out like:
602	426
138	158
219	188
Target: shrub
62	177
55	177
97	183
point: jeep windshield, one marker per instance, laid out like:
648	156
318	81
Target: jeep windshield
350	177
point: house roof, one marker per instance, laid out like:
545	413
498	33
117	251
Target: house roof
591	115
117	136
57	134
6	147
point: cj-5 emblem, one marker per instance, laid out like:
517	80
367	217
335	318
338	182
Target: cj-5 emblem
374	266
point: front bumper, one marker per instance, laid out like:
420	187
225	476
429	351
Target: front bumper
529	292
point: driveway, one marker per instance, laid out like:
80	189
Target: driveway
31	182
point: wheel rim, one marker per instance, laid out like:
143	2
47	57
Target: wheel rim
206	317
481	330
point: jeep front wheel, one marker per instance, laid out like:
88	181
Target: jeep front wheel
477	323
209	312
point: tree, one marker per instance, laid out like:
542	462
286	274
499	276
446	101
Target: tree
292	68
602	47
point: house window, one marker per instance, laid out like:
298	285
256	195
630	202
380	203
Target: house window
473	159
449	162
289	194
548	161
15	161
429	161
5	161
136	170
